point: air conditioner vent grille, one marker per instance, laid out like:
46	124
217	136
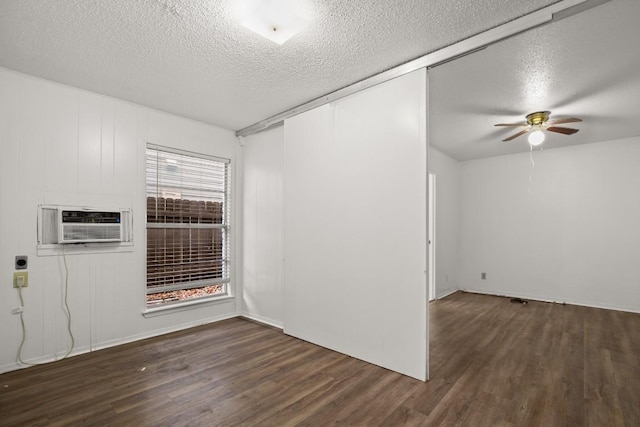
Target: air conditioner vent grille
91	232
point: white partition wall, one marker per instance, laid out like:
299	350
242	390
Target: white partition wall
355	225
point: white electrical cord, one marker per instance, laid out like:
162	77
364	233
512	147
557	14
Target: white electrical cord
66	303
67	312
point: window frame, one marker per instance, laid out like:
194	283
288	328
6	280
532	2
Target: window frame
224	226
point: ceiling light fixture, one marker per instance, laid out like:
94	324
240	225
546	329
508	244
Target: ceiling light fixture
276	20
536	137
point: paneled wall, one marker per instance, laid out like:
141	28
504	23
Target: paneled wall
64	146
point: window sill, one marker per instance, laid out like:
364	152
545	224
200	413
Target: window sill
187	305
55	249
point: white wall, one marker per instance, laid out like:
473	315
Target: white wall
61	145
447	172
355	225
575	240
263	228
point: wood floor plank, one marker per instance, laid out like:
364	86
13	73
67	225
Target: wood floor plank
493	363
403	416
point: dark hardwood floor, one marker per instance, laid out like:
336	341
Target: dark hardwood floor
493	363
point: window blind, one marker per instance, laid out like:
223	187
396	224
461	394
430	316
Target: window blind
187	220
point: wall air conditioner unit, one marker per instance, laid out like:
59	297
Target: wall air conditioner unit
77	225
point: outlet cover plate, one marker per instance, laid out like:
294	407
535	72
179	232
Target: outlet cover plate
18	274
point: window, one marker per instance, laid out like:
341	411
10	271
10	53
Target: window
187	226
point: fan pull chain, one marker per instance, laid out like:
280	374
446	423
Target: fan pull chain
533	169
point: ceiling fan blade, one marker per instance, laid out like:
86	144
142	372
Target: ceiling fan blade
514	136
567	120
563	130
512	124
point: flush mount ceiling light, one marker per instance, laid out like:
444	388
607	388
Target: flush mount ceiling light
276	20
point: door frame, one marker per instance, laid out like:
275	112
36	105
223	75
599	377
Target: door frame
432	236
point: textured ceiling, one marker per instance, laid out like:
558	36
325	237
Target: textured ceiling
194	59
587	65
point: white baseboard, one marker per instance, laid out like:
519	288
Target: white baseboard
162	331
115	342
261	319
43	360
510	294
447	293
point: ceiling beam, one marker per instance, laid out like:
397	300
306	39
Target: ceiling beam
552	13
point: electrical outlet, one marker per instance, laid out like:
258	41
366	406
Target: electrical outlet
21	262
483	276
20	279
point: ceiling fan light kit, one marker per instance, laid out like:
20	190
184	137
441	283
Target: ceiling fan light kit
536	137
539	122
